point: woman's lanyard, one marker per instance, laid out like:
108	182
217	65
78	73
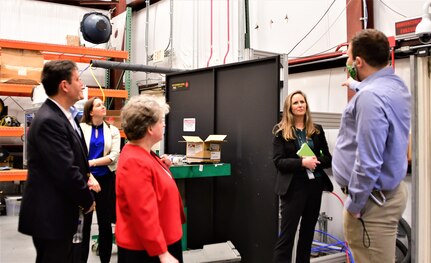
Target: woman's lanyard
301	138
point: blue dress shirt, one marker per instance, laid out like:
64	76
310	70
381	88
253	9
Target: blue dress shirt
371	148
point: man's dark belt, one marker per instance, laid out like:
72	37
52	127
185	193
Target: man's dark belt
345	190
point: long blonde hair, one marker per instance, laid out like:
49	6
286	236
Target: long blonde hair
287	124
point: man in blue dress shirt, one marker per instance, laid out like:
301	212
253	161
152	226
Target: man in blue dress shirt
370	156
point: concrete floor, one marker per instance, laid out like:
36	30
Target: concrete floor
18	248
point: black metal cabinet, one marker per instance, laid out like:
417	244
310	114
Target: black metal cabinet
240	100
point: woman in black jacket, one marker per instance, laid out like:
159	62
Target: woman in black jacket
300	180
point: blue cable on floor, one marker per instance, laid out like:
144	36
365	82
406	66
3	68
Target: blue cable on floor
327	247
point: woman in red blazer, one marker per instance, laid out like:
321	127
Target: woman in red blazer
149	206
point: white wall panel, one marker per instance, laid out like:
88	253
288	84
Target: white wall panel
191	35
402	69
282	34
323	89
38	21
43	22
387	12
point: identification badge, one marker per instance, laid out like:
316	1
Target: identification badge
310	174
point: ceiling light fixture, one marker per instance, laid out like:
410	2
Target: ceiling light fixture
96	28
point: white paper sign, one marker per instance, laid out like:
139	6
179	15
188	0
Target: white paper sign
215	155
189	124
118	27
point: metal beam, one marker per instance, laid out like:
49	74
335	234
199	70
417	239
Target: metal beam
133	67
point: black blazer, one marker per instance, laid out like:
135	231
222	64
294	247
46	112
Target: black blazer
288	162
57	177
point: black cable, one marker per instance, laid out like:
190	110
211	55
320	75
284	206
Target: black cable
347	5
365	233
381	1
323	51
327	10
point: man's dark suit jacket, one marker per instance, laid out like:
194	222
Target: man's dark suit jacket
288	162
57	177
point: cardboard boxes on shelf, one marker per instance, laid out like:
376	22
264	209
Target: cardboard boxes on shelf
200	151
20	66
72	40
113	117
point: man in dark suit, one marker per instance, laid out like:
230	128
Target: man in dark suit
56	188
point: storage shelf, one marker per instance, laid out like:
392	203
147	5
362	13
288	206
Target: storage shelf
179	172
54	51
25	91
200	170
76	58
15	90
112	93
11	131
13	175
19	131
18	174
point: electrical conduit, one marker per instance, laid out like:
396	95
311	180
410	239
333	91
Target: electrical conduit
211	41
228	33
147	28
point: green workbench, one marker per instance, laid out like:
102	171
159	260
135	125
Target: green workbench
183	172
200	170
188	171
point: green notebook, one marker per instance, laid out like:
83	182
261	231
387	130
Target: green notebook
305	151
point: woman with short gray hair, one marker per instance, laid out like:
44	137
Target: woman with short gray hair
149	207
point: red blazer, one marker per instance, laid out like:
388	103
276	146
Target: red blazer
149	207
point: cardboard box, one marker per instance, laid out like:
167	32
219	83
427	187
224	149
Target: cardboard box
72	40
113	117
20	66
208	151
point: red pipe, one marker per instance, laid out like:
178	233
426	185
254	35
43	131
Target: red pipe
317	57
228	33
392	44
337	53
211	50
341	45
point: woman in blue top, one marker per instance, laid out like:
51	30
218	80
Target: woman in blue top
103	144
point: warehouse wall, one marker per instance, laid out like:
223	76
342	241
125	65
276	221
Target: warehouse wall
43	22
47	22
275	26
